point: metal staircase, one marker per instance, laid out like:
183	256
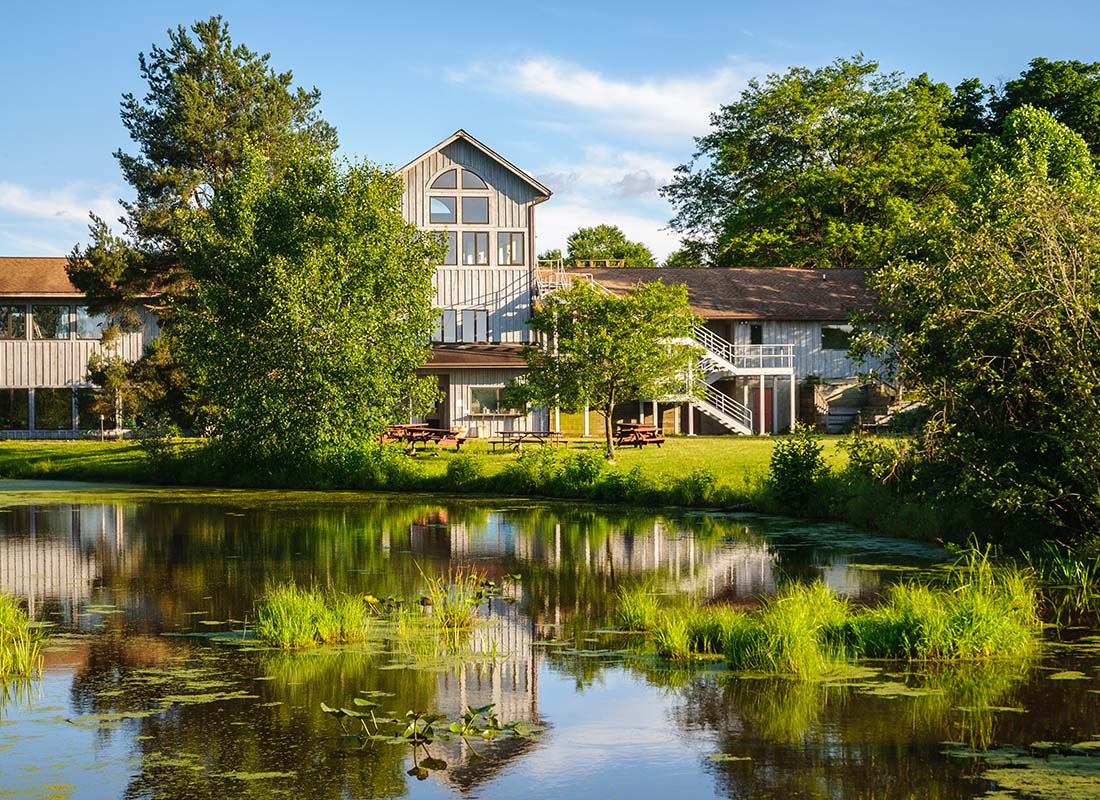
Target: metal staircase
723	409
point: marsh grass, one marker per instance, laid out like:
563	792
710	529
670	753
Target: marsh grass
638	608
291	617
453	599
20	641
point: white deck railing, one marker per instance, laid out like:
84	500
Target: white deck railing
745	357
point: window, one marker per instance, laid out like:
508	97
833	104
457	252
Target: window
446	180
510	249
467	325
50	322
443	211
471	180
90	326
86	414
451	257
475	248
475	210
756	334
14	409
835	337
13	322
53	409
488	401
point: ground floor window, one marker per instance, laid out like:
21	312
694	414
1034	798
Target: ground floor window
53	409
87	417
14	409
489	400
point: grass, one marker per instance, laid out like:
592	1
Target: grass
983	612
20	642
292	617
638	609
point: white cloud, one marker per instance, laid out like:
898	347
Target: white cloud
663	107
605	171
68	204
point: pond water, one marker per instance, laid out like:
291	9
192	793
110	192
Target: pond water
150	689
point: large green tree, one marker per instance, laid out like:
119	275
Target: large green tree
310	310
601	349
999	333
607	242
1069	90
207	100
818	168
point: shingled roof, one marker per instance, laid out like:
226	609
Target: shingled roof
458	356
742	293
35	277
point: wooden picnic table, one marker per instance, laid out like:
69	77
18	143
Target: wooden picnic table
637	434
415	433
515	439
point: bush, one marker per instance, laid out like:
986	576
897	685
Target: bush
465	471
582	471
798	468
695	488
536	470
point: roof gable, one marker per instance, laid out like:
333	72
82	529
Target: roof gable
461	135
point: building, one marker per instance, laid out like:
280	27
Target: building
485	206
768	333
46	338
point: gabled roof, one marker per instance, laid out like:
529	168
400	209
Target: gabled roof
827	295
35	277
461	134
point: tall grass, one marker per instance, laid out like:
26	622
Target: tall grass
20	643
291	616
638	609
454	598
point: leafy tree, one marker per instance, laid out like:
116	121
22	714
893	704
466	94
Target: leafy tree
311	310
971	114
208	99
1000	333
607	242
603	349
818	168
1070	90
685	258
551	255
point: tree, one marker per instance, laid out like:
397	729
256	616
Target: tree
1069	90
818	168
607	242
208	99
1000	334
602	349
311	310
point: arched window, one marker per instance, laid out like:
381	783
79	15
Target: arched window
446	180
471	180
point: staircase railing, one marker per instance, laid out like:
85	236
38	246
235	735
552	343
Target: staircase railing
722	402
745	356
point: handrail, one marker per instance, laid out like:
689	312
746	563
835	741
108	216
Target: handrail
745	356
731	408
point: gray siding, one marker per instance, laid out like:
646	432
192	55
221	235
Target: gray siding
503	291
809	358
458	399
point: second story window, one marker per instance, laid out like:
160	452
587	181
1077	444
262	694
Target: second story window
756	334
50	322
13	322
475	210
444	211
475	249
90	326
510	249
450	259
446	180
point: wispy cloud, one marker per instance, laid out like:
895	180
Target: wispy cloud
67	204
659	106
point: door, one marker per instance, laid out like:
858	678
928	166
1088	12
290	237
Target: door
440	416
769	410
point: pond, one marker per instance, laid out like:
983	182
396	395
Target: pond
152	687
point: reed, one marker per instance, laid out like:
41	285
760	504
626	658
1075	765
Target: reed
291	616
638	609
20	642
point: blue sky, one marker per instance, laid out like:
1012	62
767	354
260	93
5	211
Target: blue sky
598	100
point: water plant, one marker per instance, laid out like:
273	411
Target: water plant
291	616
20	641
638	609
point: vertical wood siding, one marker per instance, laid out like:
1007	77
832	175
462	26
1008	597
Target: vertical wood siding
458	399
809	358
503	291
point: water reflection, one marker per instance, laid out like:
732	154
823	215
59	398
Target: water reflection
150	709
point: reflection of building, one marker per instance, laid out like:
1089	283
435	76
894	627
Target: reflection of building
49	554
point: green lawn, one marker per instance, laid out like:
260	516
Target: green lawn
729	457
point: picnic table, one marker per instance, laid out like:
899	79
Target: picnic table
414	433
637	434
515	439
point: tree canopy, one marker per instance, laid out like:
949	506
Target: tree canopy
999	331
601	349
208	100
310	311
818	168
607	242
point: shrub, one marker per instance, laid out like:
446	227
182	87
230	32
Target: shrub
20	642
583	470
695	488
465	471
630	486
797	468
536	470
